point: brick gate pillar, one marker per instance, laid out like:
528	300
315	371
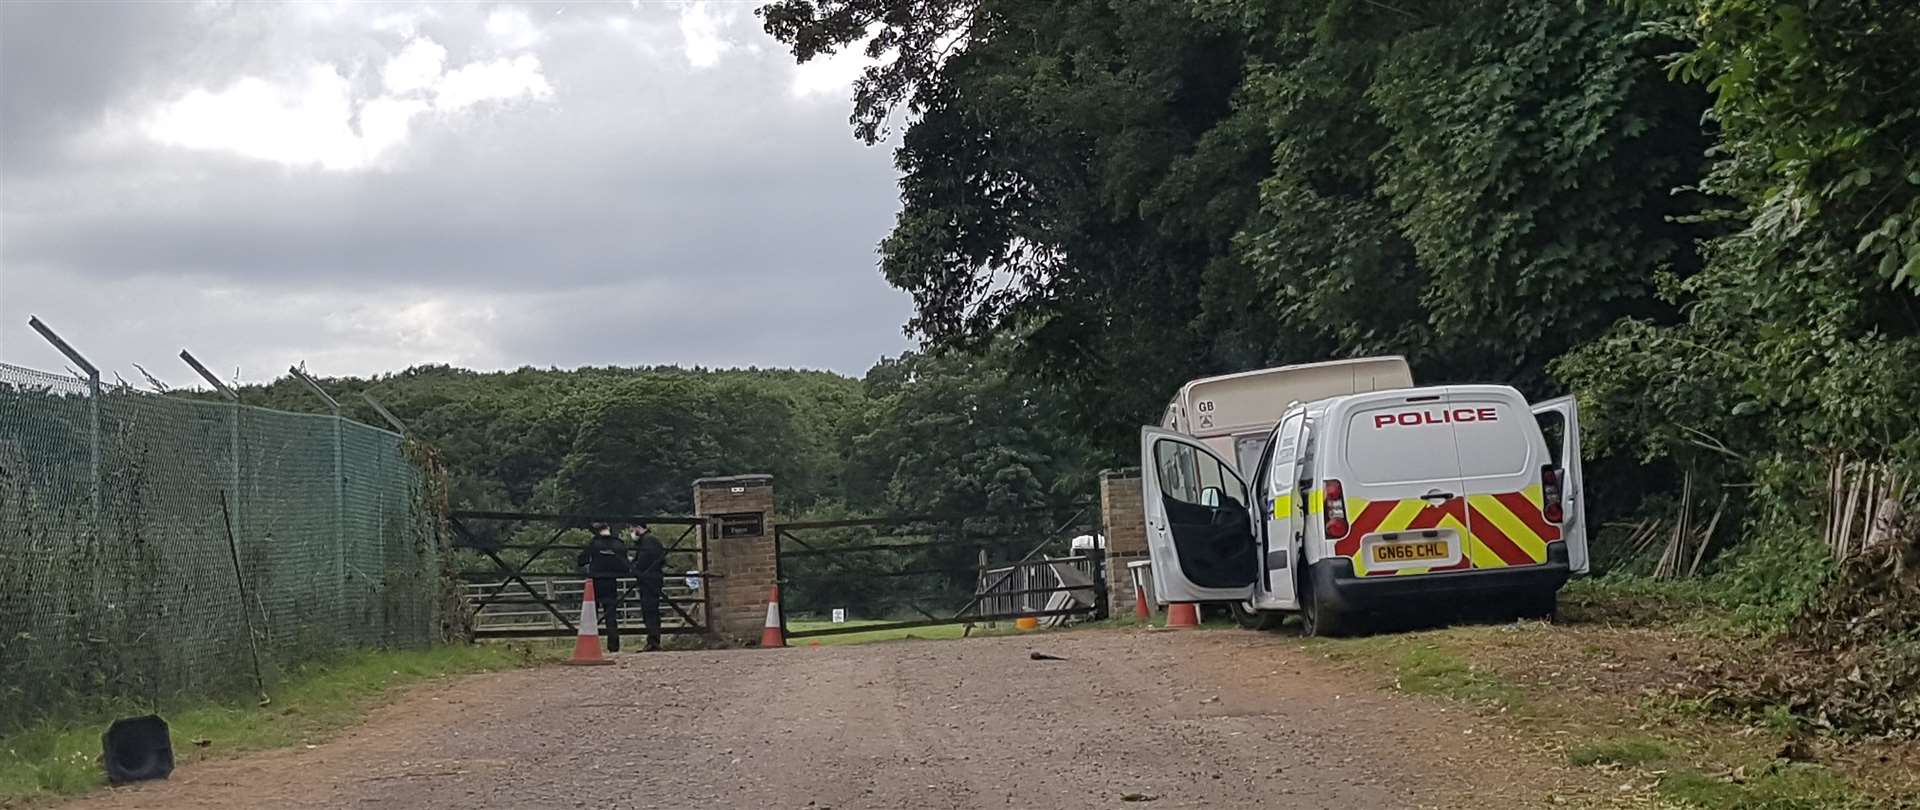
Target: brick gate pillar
1124	526
740	552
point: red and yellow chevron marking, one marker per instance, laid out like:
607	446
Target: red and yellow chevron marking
1410	514
1507	529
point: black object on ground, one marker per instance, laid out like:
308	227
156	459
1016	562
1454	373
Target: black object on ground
137	749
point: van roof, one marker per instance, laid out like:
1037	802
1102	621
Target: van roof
1422	390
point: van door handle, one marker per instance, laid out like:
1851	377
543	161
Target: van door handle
1437	496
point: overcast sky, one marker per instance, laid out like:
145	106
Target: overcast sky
365	187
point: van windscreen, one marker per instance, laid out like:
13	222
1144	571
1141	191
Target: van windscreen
1399	442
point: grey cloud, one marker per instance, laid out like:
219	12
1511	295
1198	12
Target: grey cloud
639	175
63	64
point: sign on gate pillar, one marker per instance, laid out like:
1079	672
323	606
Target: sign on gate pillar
742	563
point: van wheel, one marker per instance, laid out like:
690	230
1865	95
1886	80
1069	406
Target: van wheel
1248	618
1318	620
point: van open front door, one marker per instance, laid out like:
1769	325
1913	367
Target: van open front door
1199	532
1560	423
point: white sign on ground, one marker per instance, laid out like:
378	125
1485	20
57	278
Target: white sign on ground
839	615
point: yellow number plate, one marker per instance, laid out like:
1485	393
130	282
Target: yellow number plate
1407	552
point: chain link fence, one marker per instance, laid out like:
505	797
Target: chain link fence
117	581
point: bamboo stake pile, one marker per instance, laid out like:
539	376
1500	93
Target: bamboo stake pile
1863	504
1864	508
1686	541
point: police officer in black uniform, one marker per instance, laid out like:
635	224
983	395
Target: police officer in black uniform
605	560
649	560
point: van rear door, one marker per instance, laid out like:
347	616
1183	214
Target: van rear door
1560	423
1399	475
1199	530
1503	462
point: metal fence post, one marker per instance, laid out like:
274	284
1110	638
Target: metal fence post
339	506
93	433
93	413
233	436
398	426
339	485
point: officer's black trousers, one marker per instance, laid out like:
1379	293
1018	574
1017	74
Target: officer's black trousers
606	600
649	596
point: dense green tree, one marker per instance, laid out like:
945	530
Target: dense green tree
957	436
1815	102
1144	191
1703	215
607	439
954	433
1802	336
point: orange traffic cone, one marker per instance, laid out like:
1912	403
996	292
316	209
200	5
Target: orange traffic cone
1140	609
586	644
772	636
1183	614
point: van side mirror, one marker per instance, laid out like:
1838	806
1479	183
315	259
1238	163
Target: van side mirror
1210	497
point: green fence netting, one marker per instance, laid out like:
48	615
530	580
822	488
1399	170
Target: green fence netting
117	582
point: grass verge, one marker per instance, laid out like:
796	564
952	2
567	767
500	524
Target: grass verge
1428	669
1797	786
60	758
1631	752
1604	689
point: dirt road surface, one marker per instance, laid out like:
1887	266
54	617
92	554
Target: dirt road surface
1133	718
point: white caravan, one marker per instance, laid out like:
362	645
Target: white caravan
1234	413
1364	502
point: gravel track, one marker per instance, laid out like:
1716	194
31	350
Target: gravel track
1133	718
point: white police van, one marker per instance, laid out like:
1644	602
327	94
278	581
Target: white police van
1373	501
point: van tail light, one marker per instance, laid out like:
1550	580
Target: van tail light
1552	493
1336	508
